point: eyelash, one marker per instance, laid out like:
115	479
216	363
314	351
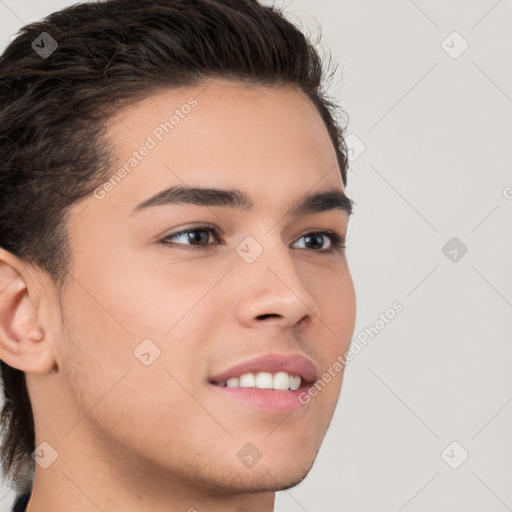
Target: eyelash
337	242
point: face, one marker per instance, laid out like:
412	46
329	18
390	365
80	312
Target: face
163	300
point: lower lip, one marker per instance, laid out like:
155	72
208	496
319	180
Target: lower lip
271	400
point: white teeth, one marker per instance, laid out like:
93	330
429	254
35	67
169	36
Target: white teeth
281	381
294	382
247	380
233	382
265	380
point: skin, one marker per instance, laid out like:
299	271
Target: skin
142	438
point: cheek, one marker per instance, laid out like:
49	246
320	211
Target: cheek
336	301
109	385
95	350
341	312
333	291
97	341
150	297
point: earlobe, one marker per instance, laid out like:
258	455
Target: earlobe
22	339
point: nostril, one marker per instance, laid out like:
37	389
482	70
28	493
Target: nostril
263	317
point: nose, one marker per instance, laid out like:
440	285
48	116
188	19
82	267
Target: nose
272	292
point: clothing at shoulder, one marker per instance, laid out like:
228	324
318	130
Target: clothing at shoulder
20	503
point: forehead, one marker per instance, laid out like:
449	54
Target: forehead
259	139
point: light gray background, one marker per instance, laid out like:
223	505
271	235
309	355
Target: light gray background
436	164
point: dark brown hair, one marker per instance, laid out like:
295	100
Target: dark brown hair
54	109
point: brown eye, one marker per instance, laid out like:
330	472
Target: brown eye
192	238
315	239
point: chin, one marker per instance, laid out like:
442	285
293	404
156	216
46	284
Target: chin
266	478
291	480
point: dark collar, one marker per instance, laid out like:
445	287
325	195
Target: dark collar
21	501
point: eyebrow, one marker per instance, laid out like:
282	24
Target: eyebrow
318	202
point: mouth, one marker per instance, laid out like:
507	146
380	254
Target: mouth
273	383
279	381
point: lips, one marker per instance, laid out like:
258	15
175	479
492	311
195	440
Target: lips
294	364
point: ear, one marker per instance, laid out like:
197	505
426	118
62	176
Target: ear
23	342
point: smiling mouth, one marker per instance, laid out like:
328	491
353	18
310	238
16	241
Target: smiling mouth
271	383
275	393
277	381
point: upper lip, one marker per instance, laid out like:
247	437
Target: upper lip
294	364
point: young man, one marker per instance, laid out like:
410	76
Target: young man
173	278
